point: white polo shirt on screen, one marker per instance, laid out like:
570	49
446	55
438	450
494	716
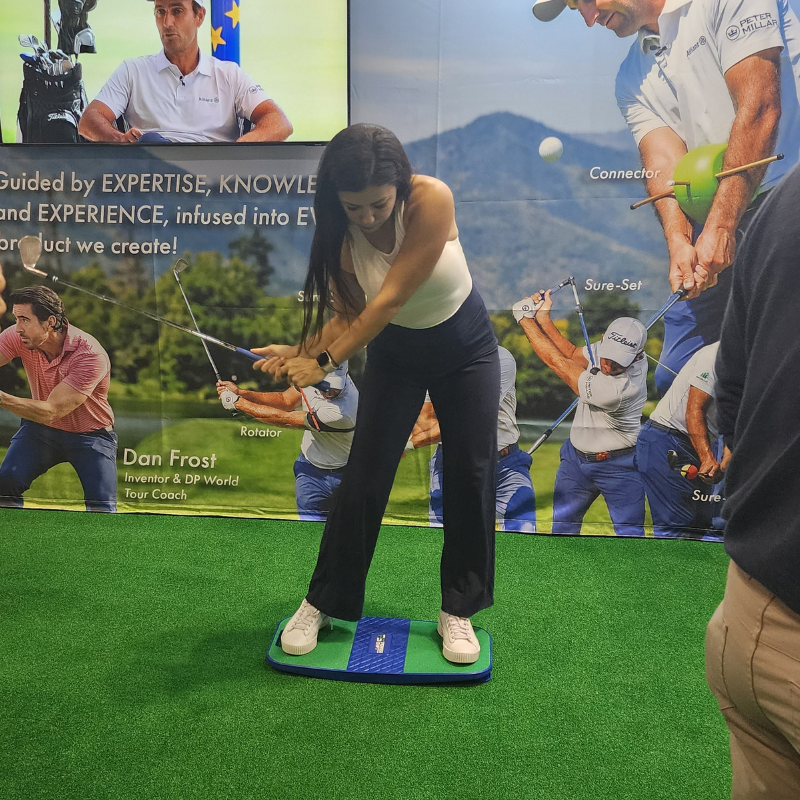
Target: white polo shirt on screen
507	429
203	106
325	449
681	84
609	414
699	371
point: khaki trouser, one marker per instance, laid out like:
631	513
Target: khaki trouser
753	669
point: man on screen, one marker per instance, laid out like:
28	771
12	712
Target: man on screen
703	72
181	94
68	418
599	456
327	413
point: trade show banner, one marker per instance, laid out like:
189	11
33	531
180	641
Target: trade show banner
521	117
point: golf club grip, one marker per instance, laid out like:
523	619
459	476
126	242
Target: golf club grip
249	354
540	441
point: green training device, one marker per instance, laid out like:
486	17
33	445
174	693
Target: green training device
382	650
698	168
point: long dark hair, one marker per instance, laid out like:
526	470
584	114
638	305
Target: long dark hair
359	156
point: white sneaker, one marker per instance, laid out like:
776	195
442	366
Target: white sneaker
459	642
300	634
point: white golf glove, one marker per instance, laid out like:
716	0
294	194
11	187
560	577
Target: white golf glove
525	308
228	399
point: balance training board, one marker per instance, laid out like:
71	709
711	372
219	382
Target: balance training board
381	650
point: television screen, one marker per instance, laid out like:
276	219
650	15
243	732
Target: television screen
297	51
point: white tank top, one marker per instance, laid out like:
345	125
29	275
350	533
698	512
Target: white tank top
436	300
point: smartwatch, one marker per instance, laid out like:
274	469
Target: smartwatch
326	363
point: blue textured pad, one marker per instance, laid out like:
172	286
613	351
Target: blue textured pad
379	645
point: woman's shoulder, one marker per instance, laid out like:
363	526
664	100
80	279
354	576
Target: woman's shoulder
429	197
426	188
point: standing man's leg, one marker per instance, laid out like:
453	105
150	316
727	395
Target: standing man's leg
573	492
516	501
673	508
435	513
314	489
94	458
753	669
466	403
622	486
33	451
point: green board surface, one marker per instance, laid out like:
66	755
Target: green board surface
424	662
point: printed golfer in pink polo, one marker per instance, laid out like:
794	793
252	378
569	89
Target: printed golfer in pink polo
68	418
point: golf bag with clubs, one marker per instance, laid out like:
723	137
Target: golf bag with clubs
50	106
74	33
53	96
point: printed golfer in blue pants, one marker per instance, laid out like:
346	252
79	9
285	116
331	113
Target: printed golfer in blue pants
327	414
515	503
68	418
681	491
598	459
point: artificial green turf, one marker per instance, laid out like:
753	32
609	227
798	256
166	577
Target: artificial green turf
133	667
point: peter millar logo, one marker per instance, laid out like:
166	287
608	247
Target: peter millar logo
757	22
733	32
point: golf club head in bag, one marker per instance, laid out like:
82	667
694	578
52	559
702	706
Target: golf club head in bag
74	33
50	106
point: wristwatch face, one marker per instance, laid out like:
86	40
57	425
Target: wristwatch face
323	359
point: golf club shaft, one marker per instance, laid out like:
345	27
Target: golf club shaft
47	34
308	407
579	309
751	165
196	326
673	298
659	364
546	435
156	318
652	199
652	321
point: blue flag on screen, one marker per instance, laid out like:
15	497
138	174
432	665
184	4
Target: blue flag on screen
225	30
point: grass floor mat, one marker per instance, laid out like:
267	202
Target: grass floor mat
133	667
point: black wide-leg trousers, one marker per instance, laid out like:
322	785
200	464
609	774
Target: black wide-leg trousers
457	363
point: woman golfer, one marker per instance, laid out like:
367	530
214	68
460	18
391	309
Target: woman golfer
387	260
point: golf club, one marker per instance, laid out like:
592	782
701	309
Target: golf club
673	298
663	366
308	407
579	309
30	248
47	15
178	267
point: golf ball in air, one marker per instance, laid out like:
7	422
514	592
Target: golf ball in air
551	148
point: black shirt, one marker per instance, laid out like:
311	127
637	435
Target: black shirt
758	397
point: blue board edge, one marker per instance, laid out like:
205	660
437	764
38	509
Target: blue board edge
396	679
